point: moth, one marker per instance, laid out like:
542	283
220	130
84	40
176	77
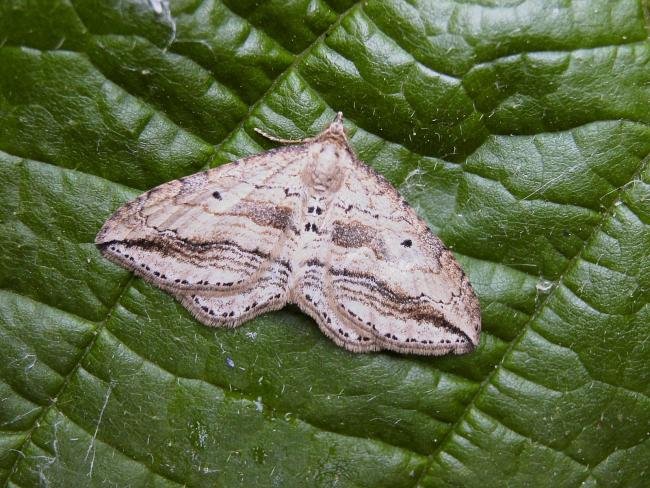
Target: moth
307	223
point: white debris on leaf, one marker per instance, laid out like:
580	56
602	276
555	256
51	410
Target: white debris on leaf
308	224
259	406
163	10
157	6
544	285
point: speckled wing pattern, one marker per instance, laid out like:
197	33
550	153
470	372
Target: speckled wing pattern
308	224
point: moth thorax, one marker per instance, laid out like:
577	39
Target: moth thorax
326	169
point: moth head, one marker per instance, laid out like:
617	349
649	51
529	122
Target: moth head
335	131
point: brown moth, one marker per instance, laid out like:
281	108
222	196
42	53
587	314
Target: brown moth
308	224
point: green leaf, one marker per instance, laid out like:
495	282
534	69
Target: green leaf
519	130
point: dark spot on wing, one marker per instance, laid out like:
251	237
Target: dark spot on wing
264	214
354	235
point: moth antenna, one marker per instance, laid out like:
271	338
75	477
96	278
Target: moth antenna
280	139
